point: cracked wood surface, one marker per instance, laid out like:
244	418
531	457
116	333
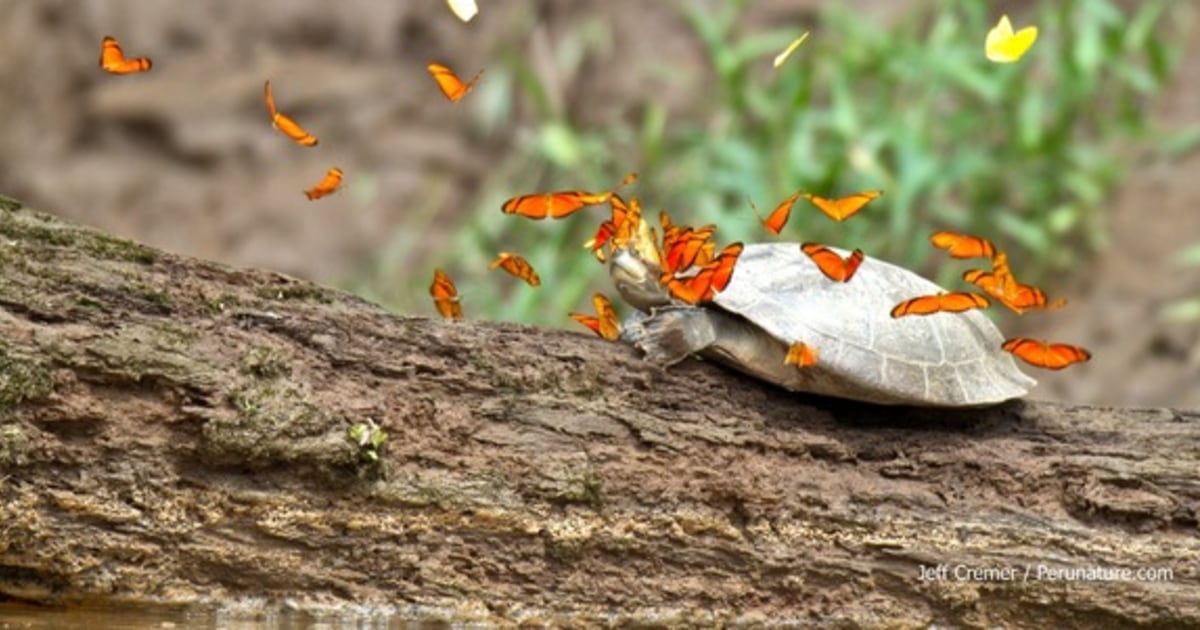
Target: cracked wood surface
176	431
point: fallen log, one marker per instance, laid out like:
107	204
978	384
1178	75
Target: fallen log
178	431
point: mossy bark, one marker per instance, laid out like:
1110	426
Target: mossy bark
173	430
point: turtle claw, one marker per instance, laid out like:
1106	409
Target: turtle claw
670	334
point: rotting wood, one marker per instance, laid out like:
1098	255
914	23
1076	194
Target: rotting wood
178	431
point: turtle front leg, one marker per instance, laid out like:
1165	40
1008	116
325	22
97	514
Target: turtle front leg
670	334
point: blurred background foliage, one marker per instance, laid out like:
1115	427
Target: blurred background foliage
1026	153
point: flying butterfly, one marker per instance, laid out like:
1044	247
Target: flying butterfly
800	355
445	295
285	124
517	266
453	87
779	216
114	61
1052	356
328	184
605	322
1004	46
787	52
831	264
962	245
842	208
710	280
463	9
956	302
557	205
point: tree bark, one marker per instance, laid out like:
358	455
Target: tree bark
178	431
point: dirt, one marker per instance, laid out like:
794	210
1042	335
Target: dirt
177	158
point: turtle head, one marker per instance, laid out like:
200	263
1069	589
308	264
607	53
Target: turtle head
637	280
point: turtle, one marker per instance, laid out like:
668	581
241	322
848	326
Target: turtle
777	296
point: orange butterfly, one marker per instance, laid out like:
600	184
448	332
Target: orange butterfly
1001	285
670	230
1000	282
712	278
664	220
687	247
557	205
445	295
605	323
452	86
627	229
962	245
843	208
800	355
517	266
604	233
833	266
114	61
1052	356
944	302
684	246
1021	297
607	229
287	126
779	216
328	184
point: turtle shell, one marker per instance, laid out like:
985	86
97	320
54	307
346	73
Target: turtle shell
944	359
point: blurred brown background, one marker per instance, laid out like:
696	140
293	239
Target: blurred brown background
184	158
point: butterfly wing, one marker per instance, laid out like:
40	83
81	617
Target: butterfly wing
610	326
1052	356
955	302
787	52
451	86
1002	45
555	205
463	9
831	264
269	98
686	248
779	216
517	266
445	295
722	266
962	245
113	60
842	208
800	355
284	123
328	184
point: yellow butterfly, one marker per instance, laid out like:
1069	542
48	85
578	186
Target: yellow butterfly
1004	46
464	9
787	52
